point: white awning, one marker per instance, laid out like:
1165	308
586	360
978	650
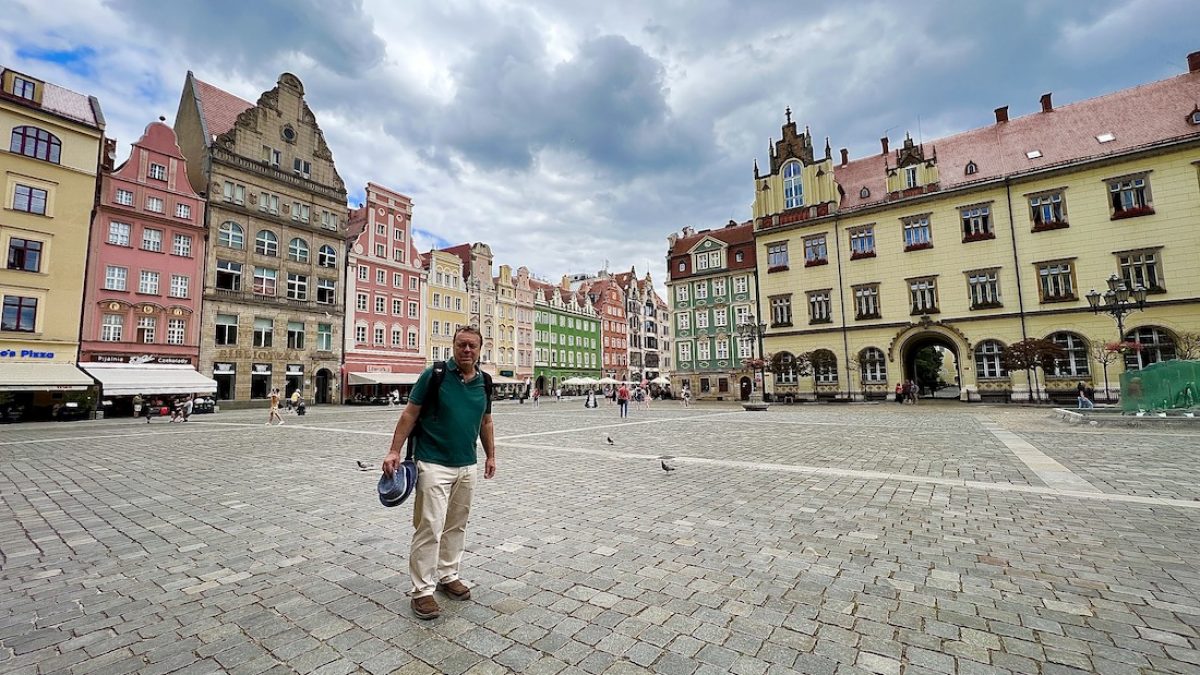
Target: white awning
42	377
502	379
123	379
383	378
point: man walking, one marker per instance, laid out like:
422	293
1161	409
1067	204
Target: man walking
446	469
623	401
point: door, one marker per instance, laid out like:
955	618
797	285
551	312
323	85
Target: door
745	388
321	395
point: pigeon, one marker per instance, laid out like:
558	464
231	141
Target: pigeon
667	467
610	440
361	465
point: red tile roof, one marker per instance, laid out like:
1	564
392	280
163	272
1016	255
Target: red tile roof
219	108
730	235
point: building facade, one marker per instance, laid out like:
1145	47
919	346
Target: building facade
481	293
567	334
505	322
385	345
712	291
976	241
608	299
145	272
523	290
274	269
447	303
50	167
648	326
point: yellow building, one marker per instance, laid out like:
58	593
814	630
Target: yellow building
55	138
982	239
447	303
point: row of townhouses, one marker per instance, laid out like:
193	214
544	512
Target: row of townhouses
969	243
221	258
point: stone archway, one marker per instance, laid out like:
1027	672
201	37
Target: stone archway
911	342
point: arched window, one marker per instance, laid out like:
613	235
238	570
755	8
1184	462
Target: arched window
989	359
784	367
36	143
873	364
298	250
971	169
266	243
793	191
1157	344
327	257
230	234
864	193
1075	363
825	366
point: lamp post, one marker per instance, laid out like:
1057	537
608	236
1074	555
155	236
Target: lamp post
751	329
1118	302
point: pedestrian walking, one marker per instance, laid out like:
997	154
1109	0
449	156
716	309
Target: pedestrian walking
537	398
188	405
138	402
444	449
274	414
900	393
623	401
590	401
685	395
1083	401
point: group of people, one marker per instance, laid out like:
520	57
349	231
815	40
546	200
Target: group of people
907	392
295	404
179	407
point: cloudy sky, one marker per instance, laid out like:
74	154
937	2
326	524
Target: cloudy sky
573	133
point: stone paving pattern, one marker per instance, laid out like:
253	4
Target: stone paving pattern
224	546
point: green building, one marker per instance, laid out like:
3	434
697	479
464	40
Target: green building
566	336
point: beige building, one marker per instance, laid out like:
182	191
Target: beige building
55	139
481	294
524	292
274	287
982	239
447	303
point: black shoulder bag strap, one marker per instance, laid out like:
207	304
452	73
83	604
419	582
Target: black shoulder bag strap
428	406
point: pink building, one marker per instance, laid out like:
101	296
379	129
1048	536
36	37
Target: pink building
384	344
141	309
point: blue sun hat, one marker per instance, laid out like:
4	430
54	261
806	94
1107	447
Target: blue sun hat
395	489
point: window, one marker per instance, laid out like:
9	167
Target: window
1141	268
266	243
702	319
114	278
264	331
412	340
183	211
777	256
397	280
458	304
380	277
785	366
1048	211
295	335
179	286
270	156
917	234
398	254
29	200
815	251
701	291
147	325
124	197
265	281
327	257
781	310
155	204
361	302
722	349
819	307
24	255
234	192
326	291
862	242
398	337
148	283
181	245
298	250
301	212
268	203
1075	363
971	169
380	305
118	233
681	293
983	288
176	328
229	275
157	171
824	366
230	234
683	321
720	317
301	167
398	308
381	228
866	301
1056	281
1157	345
437	300
1130	196
745	348
329	220
414	283
364	273
793	190
24	88
227	329
36	143
989	359
380	250
977	222
324	337
297	286
704	351
872	365
379	335
910	177
398	234
360	334
739	285
922	294
112	327
152	239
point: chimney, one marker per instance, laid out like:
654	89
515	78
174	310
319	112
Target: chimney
884	142
1194	62
1001	114
845	156
1047	106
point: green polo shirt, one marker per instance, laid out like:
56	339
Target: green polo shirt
448	434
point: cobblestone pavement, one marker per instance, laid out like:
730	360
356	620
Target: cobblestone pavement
812	539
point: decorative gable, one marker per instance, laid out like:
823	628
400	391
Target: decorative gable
914	173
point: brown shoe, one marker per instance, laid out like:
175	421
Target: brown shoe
456	589
426	608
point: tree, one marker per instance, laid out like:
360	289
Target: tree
927	367
1029	355
1105	354
1187	346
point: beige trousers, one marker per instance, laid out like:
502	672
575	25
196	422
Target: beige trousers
441	506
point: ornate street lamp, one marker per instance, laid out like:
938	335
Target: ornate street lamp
751	329
1118	302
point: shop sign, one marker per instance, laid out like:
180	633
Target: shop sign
379	369
259	354
143	359
24	354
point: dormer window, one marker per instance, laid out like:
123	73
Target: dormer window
24	88
910	177
1194	118
971	169
864	193
793	191
707	260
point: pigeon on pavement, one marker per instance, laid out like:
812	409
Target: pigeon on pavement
610	440
667	467
361	465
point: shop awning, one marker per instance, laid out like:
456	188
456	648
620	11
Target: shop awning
42	377
382	378
501	379
123	379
